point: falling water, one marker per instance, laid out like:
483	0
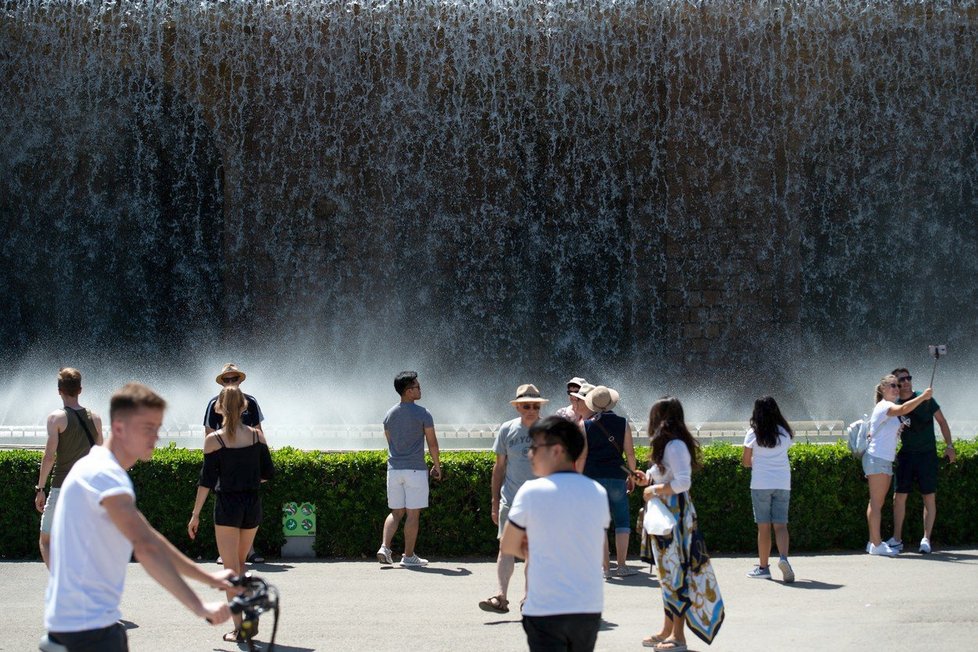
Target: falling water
728	194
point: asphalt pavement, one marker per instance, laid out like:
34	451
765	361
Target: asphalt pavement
841	601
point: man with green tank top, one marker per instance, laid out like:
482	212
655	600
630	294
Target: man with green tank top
72	431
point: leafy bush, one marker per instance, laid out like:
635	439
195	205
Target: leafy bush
828	501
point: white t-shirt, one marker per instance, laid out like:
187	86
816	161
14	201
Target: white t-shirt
89	554
676	469
565	516
884	432
769	466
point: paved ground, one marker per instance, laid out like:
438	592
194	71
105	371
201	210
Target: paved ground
839	602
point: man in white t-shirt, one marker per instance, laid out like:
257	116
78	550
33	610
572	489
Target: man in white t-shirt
561	520
97	528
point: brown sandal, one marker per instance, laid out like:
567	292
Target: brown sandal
495	604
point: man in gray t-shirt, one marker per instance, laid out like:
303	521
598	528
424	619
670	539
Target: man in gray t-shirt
407	427
510	471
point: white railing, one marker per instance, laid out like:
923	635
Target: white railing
450	436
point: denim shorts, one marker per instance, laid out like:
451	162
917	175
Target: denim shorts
874	465
617	502
770	505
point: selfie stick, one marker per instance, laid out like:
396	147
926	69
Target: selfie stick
935	350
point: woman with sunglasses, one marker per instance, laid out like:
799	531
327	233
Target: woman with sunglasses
236	462
884	429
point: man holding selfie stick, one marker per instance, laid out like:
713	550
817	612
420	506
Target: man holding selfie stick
917	460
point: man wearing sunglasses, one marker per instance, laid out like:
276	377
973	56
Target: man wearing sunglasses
917	461
561	520
231	376
509	472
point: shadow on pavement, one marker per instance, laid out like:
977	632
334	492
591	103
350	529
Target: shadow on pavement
459	572
812	584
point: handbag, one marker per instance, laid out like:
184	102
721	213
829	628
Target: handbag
658	520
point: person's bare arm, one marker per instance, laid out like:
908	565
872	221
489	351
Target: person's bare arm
56	423
163	562
911	405
747	459
514	541
496	484
579	462
432	439
629	447
946	433
97	420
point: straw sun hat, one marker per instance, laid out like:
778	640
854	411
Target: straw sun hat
528	394
601	399
230	368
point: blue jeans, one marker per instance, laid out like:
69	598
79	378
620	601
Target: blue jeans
770	505
617	502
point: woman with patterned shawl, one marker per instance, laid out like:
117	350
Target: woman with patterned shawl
689	587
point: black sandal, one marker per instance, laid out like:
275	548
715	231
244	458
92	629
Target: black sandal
233	636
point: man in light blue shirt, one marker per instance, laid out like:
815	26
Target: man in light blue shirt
510	471
407	426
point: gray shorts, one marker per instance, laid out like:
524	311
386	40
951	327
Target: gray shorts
503	517
875	465
770	505
47	518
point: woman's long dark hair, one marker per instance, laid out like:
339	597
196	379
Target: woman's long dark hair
766	420
667	422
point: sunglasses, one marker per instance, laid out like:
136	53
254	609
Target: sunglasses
904	379
893	386
228	380
530	406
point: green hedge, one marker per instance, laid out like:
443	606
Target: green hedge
828	501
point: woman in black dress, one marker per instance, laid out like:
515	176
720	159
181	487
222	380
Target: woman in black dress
236	462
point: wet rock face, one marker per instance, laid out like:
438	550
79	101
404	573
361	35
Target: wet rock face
518	184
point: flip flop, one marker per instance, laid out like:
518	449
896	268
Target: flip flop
652	640
674	646
495	604
232	636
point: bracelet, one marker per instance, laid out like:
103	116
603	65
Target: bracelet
36	488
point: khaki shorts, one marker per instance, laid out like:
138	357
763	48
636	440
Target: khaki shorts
47	518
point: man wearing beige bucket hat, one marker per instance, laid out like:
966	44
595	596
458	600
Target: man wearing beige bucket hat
573	386
509	472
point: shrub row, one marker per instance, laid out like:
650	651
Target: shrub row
828	501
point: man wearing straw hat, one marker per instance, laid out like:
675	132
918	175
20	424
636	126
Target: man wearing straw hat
232	376
509	472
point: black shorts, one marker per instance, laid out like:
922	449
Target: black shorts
910	466
563	632
106	639
240	509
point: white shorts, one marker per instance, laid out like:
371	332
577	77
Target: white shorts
407	488
47	518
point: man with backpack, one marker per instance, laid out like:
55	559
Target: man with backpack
72	431
917	461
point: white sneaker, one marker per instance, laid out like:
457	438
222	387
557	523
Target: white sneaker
895	544
882	550
413	560
787	573
384	556
925	546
